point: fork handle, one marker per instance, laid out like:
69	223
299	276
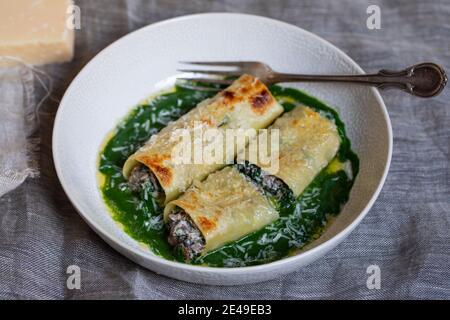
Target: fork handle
422	80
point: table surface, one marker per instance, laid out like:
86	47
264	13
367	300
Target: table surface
406	233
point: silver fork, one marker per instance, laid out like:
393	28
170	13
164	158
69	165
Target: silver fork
423	80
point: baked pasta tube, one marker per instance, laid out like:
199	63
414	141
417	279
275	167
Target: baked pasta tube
246	104
307	143
224	207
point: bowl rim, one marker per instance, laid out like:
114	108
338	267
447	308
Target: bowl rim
105	235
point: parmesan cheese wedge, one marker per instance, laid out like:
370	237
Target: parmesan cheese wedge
35	32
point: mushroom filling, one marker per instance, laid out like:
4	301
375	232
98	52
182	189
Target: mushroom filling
267	182
184	234
141	177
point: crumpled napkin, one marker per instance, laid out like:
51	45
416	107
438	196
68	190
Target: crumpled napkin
18	124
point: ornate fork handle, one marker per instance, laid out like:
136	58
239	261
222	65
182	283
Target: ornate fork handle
422	80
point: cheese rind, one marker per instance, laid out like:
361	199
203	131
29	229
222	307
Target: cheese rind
35	32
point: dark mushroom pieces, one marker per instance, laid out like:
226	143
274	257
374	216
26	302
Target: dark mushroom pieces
184	234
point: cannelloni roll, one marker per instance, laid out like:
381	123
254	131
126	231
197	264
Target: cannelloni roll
246	104
307	143
224	207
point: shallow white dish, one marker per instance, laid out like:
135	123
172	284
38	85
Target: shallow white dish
145	61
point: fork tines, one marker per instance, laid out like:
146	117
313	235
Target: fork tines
213	76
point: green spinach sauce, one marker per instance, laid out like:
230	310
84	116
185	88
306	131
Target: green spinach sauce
300	222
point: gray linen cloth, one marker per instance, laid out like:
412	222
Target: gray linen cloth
406	233
17	125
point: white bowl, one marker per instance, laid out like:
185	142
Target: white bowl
145	61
